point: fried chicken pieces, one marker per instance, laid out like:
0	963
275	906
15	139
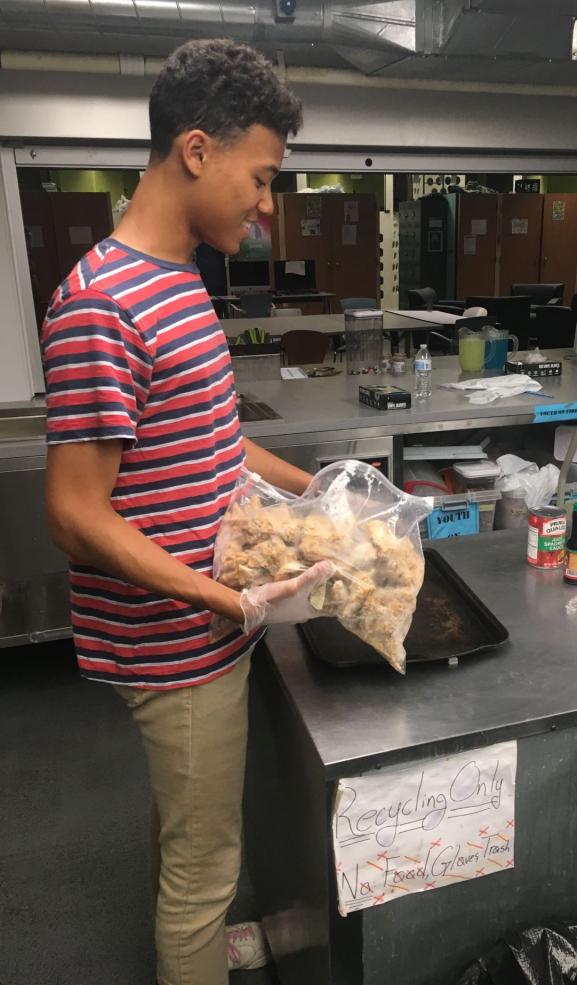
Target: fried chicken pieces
378	575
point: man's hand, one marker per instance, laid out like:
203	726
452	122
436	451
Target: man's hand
280	601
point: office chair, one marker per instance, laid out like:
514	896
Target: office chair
554	326
441	345
256	305
422	297
451	307
304	346
540	293
512	313
425	299
252	336
349	304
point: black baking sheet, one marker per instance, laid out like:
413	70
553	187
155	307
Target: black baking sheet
449	621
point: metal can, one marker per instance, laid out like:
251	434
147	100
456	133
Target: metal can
546	543
399	366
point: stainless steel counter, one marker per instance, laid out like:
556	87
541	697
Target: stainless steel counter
528	685
320	421
317	405
312	724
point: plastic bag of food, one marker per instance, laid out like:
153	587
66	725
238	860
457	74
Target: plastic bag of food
350	515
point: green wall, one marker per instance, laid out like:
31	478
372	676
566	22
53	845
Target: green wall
362	184
115	182
559	183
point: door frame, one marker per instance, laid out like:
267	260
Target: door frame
296	159
311	159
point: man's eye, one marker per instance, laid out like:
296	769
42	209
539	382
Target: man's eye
259	183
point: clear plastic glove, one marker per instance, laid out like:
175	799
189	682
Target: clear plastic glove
284	601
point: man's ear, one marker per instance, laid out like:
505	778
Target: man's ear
194	147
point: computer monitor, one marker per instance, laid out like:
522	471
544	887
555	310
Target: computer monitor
212	269
540	293
294	276
248	276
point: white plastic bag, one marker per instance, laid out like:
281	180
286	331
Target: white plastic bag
350	515
537	486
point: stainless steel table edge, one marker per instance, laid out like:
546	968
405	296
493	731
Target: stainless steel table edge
37	636
460	742
304	431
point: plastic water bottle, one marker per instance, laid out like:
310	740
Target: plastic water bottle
423	371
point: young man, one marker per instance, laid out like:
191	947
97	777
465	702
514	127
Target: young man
144	452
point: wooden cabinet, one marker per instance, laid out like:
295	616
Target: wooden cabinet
476	244
60	227
339	232
500	240
41	248
520	240
559	244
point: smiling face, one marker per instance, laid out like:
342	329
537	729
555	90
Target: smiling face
231	183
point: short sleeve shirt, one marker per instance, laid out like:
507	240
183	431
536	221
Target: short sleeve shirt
133	350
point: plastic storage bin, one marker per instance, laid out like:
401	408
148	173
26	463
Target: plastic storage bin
461	515
476	475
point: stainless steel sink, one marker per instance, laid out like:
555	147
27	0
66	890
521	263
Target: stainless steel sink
251	409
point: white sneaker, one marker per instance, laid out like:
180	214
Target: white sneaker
246	946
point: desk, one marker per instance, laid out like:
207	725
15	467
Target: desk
319	297
328	325
436	317
277	326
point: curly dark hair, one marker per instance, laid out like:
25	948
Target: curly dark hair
221	87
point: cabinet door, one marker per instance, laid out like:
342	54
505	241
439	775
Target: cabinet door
477	245
559	246
520	241
41	248
355	244
81	219
304	231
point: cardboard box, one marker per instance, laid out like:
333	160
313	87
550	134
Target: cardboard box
535	370
384	397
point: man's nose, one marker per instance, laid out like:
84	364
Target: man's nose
266	204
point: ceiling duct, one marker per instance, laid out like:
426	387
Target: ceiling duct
497	41
356	22
497	28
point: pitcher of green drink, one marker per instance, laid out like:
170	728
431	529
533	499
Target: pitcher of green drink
475	349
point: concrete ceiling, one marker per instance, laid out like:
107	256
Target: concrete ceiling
498	41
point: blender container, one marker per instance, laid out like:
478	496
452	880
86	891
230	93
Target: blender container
363	339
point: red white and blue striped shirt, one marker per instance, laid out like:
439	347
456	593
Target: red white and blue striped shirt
133	350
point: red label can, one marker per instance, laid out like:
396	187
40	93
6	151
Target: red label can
546	543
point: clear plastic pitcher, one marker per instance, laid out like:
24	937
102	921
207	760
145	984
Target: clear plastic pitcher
475	347
364	339
500	353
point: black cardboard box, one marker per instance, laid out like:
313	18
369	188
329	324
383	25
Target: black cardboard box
535	370
384	397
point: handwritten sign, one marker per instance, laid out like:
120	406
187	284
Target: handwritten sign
432	824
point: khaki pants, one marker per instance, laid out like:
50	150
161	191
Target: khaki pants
195	744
